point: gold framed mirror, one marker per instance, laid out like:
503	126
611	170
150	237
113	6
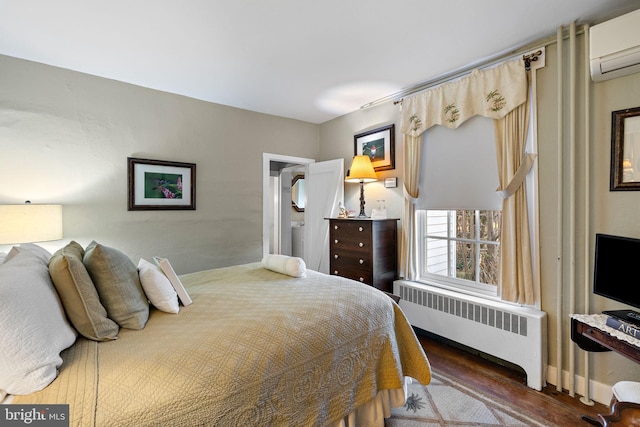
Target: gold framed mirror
625	149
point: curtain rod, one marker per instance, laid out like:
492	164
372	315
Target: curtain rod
460	72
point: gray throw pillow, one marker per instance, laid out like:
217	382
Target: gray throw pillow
116	279
79	295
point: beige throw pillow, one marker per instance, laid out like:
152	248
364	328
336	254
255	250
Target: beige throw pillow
79	295
116	279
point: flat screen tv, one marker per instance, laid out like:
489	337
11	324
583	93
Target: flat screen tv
617	273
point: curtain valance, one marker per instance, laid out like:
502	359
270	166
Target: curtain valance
491	93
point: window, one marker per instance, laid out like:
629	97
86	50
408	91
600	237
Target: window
461	247
458	211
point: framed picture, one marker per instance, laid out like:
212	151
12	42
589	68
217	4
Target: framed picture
625	149
379	145
161	185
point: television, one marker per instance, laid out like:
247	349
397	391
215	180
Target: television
616	273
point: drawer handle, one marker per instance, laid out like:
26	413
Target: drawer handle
360	229
336	256
336	241
361	261
362	279
335	272
335	227
361	244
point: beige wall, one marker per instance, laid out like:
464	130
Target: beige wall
65	138
337	141
611	212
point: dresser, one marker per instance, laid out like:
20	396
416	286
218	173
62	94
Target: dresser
364	250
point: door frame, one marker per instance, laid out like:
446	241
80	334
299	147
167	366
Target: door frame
267	158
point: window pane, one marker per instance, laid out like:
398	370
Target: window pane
490	224
465	261
436	256
461	246
437	223
489	262
465	224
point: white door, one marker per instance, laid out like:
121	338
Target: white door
285	212
325	191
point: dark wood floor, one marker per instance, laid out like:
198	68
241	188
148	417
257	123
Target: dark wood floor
505	382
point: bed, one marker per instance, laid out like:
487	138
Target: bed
256	347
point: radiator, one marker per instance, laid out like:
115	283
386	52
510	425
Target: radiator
512	333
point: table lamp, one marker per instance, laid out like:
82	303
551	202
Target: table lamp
361	171
29	223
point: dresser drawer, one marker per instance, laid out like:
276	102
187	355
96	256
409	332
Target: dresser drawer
351	230
358	276
350	260
343	245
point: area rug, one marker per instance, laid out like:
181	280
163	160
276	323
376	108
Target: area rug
445	402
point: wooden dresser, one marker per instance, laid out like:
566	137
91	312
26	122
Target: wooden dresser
364	250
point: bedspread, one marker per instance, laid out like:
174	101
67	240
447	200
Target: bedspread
255	348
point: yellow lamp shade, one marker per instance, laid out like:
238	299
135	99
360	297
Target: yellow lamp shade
30	223
361	170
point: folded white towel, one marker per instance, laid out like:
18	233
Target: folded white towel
292	266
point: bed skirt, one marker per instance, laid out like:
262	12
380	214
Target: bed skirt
373	413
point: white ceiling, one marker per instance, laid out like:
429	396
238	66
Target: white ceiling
302	59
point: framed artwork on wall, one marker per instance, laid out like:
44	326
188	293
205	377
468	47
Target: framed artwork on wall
625	149
161	185
379	145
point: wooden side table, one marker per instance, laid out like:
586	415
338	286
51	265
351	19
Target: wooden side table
591	338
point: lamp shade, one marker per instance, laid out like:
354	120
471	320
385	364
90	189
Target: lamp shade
361	170
29	223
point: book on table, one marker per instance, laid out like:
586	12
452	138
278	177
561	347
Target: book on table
622	326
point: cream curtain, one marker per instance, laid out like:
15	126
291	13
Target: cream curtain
408	244
516	270
492	93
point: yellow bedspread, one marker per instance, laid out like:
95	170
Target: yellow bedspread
255	348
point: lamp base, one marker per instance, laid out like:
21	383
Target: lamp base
362	214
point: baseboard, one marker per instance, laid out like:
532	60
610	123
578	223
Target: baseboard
599	392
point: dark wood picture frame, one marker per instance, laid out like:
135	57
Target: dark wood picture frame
379	145
161	185
625	150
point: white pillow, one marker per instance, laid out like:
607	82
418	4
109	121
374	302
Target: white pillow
33	326
38	251
290	265
157	287
3	256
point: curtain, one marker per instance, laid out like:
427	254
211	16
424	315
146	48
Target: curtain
492	93
408	244
516	270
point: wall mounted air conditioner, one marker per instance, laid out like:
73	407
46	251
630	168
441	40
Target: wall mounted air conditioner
615	47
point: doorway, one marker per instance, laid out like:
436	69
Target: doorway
324	193
276	201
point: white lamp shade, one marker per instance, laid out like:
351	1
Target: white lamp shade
29	223
361	170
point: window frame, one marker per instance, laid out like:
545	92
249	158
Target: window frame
449	282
